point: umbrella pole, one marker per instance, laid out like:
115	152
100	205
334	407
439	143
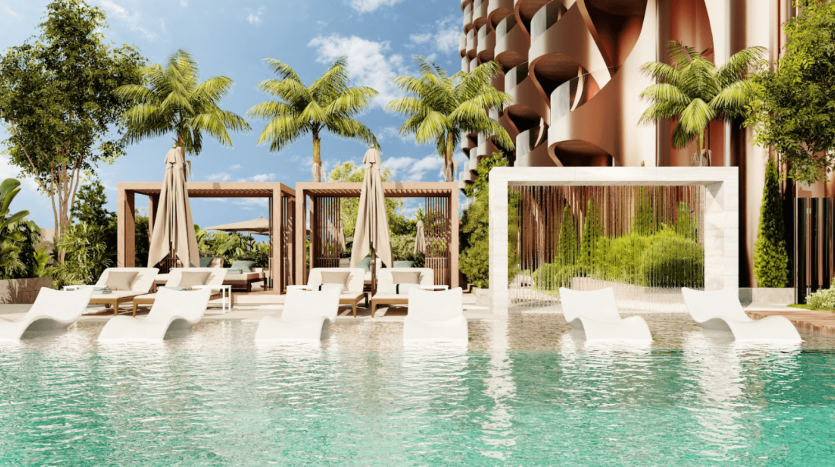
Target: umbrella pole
373	271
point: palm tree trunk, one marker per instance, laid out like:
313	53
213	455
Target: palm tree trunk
449	174
317	158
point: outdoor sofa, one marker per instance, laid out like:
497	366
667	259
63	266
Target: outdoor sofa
393	285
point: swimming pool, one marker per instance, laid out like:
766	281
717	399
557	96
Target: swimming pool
527	392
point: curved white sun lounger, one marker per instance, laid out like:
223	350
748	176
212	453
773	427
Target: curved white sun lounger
435	316
596	313
172	310
720	310
53	310
306	316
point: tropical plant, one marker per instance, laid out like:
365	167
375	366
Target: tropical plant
693	91
9	237
771	259
823	299
592	232
173	101
440	107
32	258
142	238
85	255
475	227
90	208
793	111
329	104
59	104
567	249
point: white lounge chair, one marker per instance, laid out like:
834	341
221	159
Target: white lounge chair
596	313
141	284
388	292
720	310
172	310
307	315
53	310
435	316
351	295
175	278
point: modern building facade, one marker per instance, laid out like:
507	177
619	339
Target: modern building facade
572	68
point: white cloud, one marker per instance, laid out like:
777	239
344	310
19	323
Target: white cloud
408	169
234	167
11	12
262	177
443	36
183	3
255	16
250	203
219	177
365	6
131	20
367	63
421	38
391	132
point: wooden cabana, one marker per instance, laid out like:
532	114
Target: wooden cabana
440	224
281	199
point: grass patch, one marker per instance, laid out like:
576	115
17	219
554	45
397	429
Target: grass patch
804	306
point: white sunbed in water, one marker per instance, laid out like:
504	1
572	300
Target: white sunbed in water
53	310
720	310
172	310
596	313
435	316
307	315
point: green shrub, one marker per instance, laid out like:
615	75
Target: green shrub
86	255
620	258
771	262
822	299
550	276
672	261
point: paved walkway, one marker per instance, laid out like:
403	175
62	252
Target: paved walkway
820	321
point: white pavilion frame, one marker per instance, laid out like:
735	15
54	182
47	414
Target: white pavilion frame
721	213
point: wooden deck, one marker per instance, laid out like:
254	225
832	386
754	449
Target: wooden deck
820	321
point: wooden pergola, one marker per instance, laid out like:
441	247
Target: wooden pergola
441	206
281	213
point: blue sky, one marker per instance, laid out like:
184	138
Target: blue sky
232	38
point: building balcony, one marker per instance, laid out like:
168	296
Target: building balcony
486	148
464	4
582	135
531	154
512	43
528	108
465	64
498	10
462	44
562	47
526	9
468	17
473	64
472	44
479	13
486	43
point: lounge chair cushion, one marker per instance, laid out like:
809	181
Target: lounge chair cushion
204	262
191	278
120	280
405	277
336	277
331	286
244	266
403	289
404	264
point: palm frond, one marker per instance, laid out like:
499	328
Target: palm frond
313	113
665	93
283	70
740	64
270	109
352	129
662	73
282	131
352	101
434	125
214	88
293	92
660	110
410	106
680	54
681	138
732	101
696	117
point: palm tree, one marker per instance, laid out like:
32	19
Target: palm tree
441	106
173	101
696	92
328	104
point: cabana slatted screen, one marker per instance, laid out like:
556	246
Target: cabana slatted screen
541	261
437	232
813	253
327	224
288	209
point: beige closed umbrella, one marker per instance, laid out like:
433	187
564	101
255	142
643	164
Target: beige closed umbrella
420	239
173	226
372	230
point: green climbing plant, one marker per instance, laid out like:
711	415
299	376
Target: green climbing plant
771	261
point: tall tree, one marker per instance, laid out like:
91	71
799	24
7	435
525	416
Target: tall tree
440	107
695	92
329	104
771	261
795	107
172	100
59	105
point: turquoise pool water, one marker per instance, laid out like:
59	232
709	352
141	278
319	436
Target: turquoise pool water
527	392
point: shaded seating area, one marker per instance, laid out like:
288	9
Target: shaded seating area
394	285
120	285
318	205
280	199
